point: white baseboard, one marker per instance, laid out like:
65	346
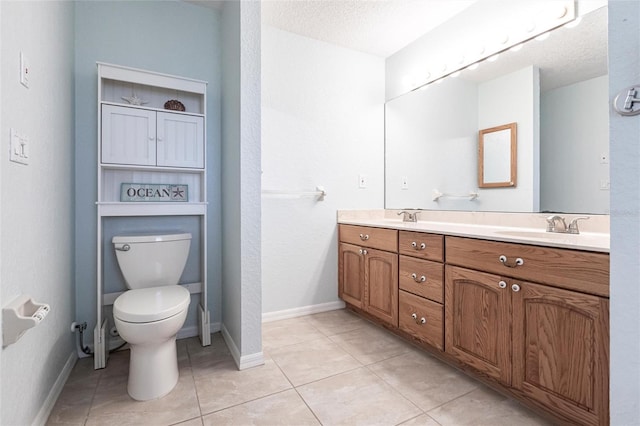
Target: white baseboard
302	311
56	389
242	362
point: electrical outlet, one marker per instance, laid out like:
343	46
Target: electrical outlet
19	147
362	181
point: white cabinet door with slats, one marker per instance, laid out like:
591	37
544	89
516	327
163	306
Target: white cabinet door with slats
128	136
180	140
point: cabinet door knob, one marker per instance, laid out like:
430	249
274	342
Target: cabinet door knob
505	261
515	288
418	280
502	284
364	237
364	252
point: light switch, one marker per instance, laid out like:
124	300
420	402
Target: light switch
19	149
24	70
362	181
405	182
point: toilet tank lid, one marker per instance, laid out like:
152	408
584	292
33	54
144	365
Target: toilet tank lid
119	239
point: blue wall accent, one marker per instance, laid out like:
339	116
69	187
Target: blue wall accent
171	37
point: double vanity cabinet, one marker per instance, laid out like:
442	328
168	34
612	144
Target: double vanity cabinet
529	320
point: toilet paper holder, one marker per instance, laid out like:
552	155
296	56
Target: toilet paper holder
20	315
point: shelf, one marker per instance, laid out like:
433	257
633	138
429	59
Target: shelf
151	209
150	108
138	167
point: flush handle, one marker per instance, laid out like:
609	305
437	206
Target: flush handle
125	247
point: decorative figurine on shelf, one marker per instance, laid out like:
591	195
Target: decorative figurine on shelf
174	105
134	99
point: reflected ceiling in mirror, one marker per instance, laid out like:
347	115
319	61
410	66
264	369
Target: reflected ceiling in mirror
555	89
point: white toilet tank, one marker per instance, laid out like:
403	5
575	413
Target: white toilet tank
152	260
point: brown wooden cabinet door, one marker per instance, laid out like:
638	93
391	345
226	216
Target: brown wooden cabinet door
478	321
381	278
560	350
351	275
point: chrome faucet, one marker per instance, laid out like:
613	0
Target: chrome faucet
558	224
408	216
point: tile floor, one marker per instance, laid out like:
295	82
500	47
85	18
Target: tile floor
328	368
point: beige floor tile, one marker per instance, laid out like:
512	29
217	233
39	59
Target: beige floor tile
227	386
357	397
205	359
310	361
284	408
423	380
278	334
483	407
336	322
112	404
193	422
371	344
421	420
73	404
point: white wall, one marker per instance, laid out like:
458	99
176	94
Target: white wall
624	70
323	124
37	202
514	97
574	123
432	147
241	223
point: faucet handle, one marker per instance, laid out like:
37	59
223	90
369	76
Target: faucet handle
551	223
573	225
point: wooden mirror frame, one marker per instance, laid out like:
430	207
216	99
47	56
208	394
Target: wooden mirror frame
512	127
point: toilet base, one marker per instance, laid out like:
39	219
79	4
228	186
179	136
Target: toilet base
153	370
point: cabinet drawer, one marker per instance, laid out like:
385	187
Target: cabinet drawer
431	331
422	277
573	269
380	238
420	244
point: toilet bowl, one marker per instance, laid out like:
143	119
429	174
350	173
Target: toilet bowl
150	314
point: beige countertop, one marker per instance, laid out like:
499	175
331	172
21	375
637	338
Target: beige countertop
491	226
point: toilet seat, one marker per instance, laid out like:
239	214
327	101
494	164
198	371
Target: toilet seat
151	304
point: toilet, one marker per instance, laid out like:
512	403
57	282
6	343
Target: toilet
149	315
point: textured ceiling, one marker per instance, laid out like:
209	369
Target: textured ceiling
379	27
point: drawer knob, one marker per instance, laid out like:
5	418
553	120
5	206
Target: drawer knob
515	288
418	280
364	237
415	245
502	284
422	320
505	261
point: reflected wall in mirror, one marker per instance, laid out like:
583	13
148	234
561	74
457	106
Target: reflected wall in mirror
497	149
555	90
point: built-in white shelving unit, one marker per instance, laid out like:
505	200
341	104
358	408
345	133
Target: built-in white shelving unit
141	142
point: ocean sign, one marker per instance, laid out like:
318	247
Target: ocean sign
135	192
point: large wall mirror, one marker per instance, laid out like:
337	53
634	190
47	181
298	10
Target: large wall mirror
556	93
